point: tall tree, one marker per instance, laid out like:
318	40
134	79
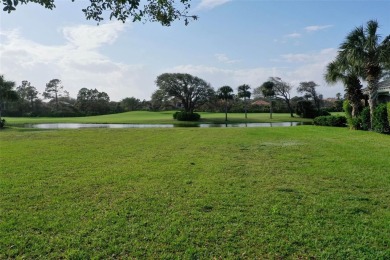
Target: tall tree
225	93
309	90
267	88
93	102
54	90
191	91
363	49
243	92
130	103
7	93
282	89
339	71
162	11
32	95
27	95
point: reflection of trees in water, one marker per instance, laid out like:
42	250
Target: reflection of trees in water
77	126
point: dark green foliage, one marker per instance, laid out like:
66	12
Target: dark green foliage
338	121
2	123
92	102
186	116
309	91
131	104
225	93
380	121
347	108
365	119
368	57
323	112
388	112
7	93
175	114
305	109
353	123
268	89
191	91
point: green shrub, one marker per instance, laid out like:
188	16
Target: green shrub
353	123
365	119
305	109
175	114
186	116
380	122
337	121
2	123
388	112
323	112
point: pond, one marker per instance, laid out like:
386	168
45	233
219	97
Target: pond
77	126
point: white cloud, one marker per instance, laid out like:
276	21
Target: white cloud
293	35
91	37
221	57
314	28
218	77
78	62
210	4
311	68
325	54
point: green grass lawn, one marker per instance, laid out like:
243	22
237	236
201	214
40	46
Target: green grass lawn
231	193
145	117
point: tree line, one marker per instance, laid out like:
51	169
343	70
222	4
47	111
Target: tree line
26	100
176	91
192	93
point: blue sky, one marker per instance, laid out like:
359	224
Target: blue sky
234	42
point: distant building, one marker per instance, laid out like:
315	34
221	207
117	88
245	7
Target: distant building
260	103
383	91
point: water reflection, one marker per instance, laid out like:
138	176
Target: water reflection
78	126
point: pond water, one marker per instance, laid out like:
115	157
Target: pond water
77	126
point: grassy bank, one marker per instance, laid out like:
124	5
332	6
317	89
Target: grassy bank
146	117
295	192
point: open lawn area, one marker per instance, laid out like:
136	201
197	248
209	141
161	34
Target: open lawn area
165	117
194	193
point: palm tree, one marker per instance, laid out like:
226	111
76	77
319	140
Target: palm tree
337	71
268	91
243	92
225	93
6	93
362	49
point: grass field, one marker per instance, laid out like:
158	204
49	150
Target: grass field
145	117
298	192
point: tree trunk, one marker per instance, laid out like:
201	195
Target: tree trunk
355	109
225	110
56	101
270	107
246	117
289	107
372	98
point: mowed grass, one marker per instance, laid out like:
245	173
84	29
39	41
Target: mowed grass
165	117
232	193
